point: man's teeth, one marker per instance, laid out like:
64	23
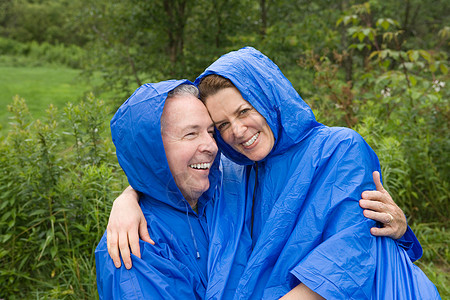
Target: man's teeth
201	166
251	141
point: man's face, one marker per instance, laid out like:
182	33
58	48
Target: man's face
187	134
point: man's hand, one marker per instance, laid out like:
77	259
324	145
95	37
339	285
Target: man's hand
379	206
126	223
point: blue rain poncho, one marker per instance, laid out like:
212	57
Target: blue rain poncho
170	269
308	226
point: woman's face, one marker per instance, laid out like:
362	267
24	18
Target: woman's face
239	124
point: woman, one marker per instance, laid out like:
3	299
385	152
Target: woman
305	232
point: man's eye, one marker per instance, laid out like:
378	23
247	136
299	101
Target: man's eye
211	133
190	135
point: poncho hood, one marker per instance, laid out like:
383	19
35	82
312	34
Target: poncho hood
136	133
264	86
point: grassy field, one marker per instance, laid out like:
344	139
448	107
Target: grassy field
40	86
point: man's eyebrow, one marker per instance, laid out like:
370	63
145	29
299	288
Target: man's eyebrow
234	113
190	127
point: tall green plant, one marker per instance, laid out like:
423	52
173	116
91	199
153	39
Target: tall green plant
55	190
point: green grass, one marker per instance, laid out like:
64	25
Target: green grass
40	86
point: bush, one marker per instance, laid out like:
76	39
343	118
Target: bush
70	55
57	177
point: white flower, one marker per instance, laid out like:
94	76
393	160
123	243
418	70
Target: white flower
437	85
386	92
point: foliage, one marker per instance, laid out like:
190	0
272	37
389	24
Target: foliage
69	55
380	67
55	188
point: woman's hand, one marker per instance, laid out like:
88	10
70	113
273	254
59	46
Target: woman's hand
379	206
126	223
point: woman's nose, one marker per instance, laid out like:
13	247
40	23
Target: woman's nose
238	128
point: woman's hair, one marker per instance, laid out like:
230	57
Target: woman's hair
211	84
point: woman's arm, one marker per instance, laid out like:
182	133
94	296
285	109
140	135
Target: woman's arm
126	224
301	291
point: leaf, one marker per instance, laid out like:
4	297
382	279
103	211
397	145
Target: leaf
433	68
361	36
413	55
413	80
425	54
443	68
387	36
53	251
374	53
6	237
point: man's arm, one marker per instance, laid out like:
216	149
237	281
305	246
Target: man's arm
126	223
152	277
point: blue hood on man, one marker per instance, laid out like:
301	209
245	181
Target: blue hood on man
176	267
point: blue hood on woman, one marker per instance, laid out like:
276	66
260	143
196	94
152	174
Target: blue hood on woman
307	226
261	83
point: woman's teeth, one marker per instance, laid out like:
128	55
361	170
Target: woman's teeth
201	166
251	141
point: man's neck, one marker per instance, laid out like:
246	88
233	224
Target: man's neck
193	203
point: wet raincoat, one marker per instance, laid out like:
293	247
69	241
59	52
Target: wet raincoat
307	225
176	267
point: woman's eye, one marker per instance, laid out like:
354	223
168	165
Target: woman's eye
222	126
244	111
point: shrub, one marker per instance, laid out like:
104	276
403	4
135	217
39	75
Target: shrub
70	55
57	177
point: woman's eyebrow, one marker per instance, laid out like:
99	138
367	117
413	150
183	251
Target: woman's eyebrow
234	113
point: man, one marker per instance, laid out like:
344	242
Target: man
164	140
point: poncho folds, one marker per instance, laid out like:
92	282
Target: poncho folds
170	269
308	226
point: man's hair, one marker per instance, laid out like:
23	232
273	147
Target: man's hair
184	89
211	84
181	90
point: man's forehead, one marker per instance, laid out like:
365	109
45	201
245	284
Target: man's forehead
185	111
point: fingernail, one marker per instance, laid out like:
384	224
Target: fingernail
128	266
117	264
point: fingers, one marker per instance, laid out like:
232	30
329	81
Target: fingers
384	218
133	239
373	195
385	231
377	181
124	249
113	248
377	206
143	232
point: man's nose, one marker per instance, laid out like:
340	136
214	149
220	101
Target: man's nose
208	145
